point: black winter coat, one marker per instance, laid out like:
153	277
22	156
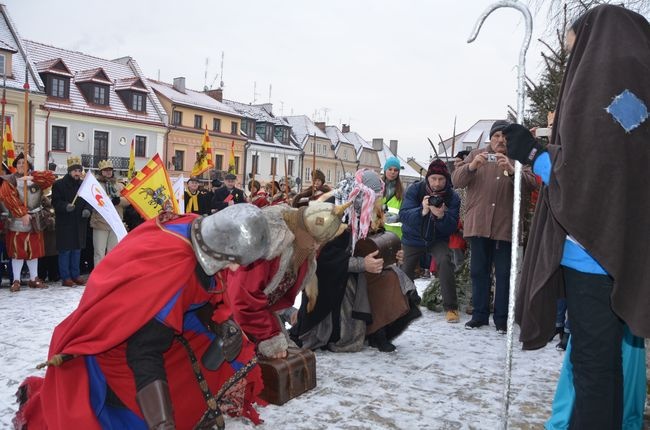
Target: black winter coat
71	227
220	195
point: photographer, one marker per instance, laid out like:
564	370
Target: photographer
429	216
487	173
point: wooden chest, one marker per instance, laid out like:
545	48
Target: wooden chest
387	242
286	378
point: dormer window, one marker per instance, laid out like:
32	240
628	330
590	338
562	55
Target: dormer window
58	87
6	54
2	63
133	93
56	76
138	102
100	95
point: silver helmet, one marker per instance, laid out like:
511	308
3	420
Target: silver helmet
237	234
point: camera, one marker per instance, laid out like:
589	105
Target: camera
492	158
436	201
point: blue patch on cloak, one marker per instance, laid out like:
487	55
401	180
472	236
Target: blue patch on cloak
628	110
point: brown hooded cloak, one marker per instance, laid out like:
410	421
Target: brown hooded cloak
601	161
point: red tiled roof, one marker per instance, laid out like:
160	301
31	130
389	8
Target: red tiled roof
50	66
97	75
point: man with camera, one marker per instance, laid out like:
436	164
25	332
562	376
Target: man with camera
429	215
488	175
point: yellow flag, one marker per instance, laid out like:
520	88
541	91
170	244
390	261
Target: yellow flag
8	149
150	191
204	159
131	172
231	161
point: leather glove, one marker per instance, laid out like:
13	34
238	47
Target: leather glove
69	207
85	213
522	145
115	201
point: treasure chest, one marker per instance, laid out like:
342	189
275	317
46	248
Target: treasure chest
286	378
386	242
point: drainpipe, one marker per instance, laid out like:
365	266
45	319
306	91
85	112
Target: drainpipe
166	142
243	182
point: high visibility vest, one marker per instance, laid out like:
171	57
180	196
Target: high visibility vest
393	208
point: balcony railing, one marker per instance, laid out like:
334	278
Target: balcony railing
90	161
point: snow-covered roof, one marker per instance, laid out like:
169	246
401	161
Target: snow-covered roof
359	142
406	171
191	98
21	60
87	67
260	113
336	136
478	135
302	126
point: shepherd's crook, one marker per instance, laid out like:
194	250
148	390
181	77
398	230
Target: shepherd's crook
521	95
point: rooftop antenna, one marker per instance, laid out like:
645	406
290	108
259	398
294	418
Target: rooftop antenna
270	90
205	75
255	94
158	74
281	108
221	82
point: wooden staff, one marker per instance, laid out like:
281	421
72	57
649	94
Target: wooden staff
286	178
453	139
3	102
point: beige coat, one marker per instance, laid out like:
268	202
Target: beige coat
489	197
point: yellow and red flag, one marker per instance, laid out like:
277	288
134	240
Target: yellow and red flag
150	191
131	172
8	149
231	161
204	159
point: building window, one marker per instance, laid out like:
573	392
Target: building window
198	121
218	162
141	146
179	159
100	95
308	174
255	161
290	167
101	145
216	124
329	175
59	135
137	102
236	163
268	133
177	118
2	63
58	87
246	128
233	128
274	166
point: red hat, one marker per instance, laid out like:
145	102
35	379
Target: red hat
438	167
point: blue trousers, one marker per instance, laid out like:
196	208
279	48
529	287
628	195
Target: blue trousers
634	387
485	253
69	263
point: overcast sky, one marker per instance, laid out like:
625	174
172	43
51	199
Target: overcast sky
393	69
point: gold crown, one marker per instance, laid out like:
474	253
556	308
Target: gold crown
105	164
74	160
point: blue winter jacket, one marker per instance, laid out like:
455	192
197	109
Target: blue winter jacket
421	231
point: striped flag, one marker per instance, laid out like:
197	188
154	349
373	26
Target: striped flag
9	152
150	191
204	159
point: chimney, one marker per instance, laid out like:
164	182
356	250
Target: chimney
216	94
179	84
393	147
378	144
346	128
320	125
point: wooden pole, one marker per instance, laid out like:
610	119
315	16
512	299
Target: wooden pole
453	139
286	178
3	102
26	135
313	166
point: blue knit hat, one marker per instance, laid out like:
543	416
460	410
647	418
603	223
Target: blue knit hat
392	162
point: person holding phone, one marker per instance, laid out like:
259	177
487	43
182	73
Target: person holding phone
227	195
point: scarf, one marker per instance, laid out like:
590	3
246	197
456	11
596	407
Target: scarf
360	213
192	203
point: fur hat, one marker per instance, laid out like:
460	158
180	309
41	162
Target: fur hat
105	164
317	174
498	126
20	157
438	167
74	163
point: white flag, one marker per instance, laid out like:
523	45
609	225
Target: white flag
92	192
178	185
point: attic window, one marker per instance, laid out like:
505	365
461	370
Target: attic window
138	102
100	95
58	87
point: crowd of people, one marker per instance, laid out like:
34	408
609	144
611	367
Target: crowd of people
184	352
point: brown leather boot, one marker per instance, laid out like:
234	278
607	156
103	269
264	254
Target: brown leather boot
156	406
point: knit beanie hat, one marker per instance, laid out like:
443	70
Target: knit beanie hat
438	167
392	162
498	126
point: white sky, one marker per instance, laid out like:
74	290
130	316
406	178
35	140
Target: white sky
392	69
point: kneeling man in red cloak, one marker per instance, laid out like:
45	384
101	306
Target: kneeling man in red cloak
151	344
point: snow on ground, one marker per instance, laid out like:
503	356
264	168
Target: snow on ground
441	376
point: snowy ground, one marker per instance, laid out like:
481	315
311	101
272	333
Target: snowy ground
441	376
